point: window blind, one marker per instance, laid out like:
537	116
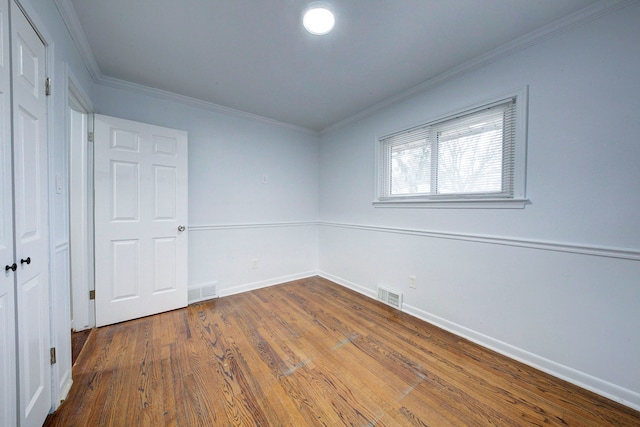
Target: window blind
469	155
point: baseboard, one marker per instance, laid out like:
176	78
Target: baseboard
265	283
347	284
604	388
64	390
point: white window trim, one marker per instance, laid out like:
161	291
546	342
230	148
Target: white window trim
517	201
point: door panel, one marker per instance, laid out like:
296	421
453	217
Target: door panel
31	225
124	191
28	63
163	145
27	180
164	277
140	200
33	382
165	192
126	270
125	140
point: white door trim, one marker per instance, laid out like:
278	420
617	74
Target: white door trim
80	206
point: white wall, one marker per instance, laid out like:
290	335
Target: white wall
235	218
556	284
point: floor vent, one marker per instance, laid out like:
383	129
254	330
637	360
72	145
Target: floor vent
202	292
390	297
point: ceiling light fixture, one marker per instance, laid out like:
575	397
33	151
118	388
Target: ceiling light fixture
318	18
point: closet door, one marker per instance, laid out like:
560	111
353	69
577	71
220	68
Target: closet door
7	277
31	220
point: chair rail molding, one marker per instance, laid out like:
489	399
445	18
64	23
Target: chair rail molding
600	251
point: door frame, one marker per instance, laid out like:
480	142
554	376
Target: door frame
80	219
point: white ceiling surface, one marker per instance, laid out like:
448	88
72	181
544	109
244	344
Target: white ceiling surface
254	55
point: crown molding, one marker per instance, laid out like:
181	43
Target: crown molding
588	14
198	103
563	25
70	18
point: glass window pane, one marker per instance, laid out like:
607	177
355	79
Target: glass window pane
471	162
411	168
466	156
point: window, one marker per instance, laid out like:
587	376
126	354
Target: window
474	158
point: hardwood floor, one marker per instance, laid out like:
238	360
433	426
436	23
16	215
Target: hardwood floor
78	340
310	352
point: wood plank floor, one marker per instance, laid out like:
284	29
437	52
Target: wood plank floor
78	340
310	352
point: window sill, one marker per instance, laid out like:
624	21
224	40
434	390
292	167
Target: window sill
453	203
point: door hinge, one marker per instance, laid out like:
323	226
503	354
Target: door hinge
92	294
52	354
90	136
47	86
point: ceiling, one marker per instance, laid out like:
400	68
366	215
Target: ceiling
254	56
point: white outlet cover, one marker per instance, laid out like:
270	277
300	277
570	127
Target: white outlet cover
412	282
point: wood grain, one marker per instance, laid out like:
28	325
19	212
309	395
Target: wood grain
311	352
78	339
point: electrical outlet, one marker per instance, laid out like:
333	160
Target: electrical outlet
412	282
254	263
265	179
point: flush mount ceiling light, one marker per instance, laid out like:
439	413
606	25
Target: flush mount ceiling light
318	18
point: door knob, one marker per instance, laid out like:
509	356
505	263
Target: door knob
28	260
181	228
12	267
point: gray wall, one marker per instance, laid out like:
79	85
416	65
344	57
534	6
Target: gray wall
556	284
236	220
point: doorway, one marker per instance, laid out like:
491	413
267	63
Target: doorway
80	127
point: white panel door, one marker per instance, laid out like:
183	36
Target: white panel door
140	175
7	276
31	219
